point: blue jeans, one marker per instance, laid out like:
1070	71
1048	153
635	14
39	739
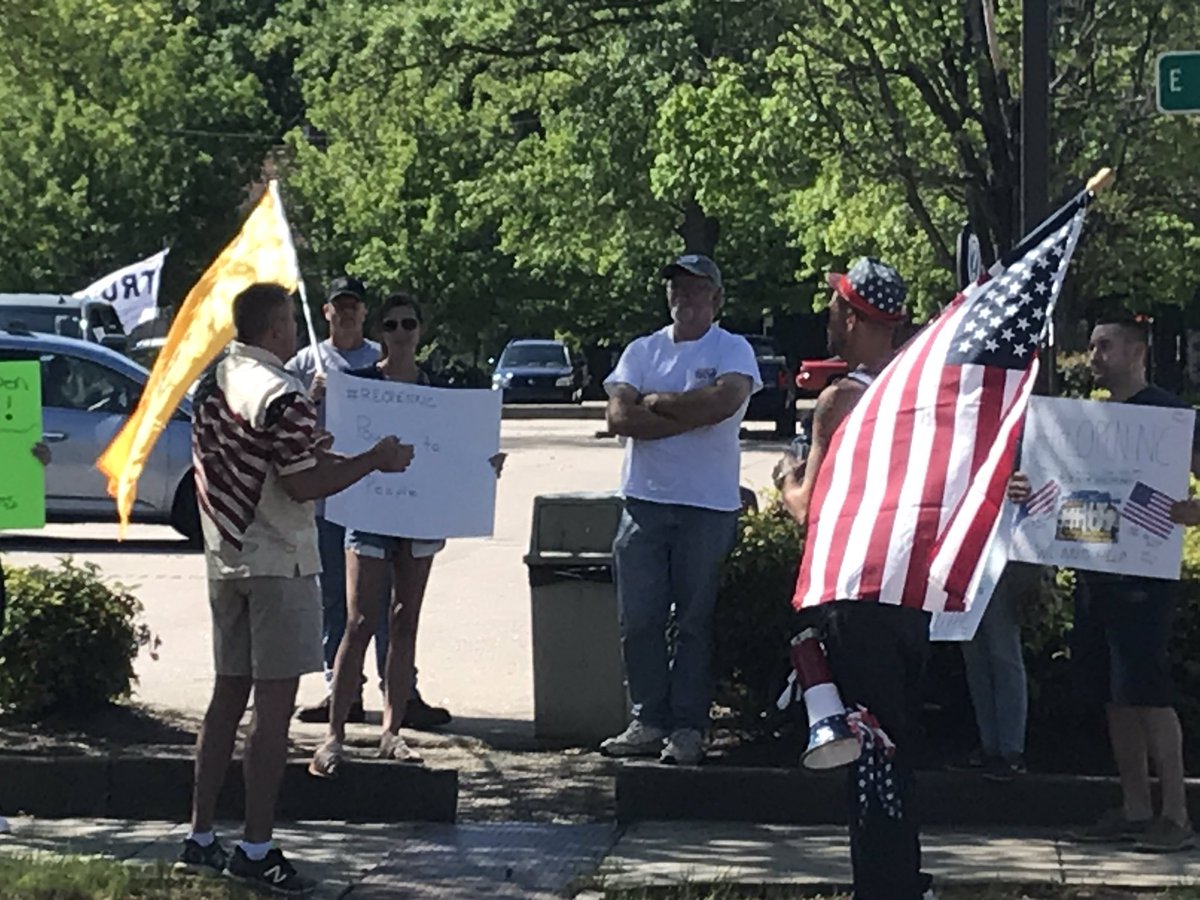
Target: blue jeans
331	542
996	667
665	557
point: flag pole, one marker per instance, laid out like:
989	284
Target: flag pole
308	319
1098	182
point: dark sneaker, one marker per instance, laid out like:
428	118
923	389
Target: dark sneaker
1005	769
210	860
273	873
319	713
1165	836
1111	828
421	716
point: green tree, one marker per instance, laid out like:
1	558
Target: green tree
911	108
531	164
124	127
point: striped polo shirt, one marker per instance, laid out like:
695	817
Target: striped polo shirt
253	423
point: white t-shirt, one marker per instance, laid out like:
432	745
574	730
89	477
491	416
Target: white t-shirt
700	467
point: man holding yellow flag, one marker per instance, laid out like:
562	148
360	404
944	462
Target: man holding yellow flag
255	489
260	461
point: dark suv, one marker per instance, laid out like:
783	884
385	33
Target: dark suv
776	402
538	371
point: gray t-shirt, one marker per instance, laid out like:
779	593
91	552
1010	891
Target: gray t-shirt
304	366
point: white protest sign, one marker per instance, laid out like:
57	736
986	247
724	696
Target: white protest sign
1103	477
450	488
133	290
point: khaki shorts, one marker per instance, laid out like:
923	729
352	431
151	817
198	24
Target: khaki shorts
266	628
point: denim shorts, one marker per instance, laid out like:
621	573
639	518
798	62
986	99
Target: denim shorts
386	546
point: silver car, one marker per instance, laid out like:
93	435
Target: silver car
88	391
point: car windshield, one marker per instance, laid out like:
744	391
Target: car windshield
35	318
763	346
544	355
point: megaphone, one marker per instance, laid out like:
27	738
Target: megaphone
831	742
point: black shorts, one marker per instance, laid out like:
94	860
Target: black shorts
1120	641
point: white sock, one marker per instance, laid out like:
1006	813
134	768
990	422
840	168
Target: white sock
256	852
203	838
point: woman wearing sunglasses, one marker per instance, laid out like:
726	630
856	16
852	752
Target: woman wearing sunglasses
370	559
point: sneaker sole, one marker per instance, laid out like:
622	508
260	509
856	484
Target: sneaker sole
625	752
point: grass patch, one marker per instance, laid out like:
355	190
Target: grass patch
944	892
49	877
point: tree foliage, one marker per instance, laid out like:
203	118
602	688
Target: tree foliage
124	126
527	165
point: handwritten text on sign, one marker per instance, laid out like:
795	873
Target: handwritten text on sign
450	488
1103	477
22	479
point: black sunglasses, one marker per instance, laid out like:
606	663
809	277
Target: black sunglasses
408	324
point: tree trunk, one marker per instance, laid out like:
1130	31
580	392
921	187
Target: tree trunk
700	232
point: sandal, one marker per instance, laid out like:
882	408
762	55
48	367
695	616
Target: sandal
327	761
392	746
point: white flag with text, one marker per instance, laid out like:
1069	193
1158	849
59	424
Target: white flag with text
133	290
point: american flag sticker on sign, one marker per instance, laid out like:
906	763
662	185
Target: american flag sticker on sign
1149	509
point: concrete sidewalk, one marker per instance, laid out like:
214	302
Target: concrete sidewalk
530	860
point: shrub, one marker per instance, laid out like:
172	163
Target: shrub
69	640
754	612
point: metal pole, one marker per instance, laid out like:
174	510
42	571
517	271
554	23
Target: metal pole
1035	141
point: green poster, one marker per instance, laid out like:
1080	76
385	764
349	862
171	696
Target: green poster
22	477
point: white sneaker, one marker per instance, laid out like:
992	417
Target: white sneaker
4	829
685	747
636	740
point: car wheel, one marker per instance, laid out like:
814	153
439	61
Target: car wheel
185	512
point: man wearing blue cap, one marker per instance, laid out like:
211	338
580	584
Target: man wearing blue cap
679	396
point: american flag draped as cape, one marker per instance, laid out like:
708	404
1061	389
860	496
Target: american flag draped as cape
908	498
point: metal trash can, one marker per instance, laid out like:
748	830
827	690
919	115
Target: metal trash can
579	692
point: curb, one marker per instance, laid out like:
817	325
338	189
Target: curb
552	411
649	791
161	788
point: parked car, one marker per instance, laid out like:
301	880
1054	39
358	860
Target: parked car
817	374
91	320
538	371
776	402
88	391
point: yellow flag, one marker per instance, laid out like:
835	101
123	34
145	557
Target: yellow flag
262	251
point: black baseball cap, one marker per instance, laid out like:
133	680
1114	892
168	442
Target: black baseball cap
692	264
346	285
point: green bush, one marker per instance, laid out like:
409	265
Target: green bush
754	612
69	640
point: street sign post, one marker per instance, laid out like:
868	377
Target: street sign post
1178	78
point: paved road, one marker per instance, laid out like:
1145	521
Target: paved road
474	648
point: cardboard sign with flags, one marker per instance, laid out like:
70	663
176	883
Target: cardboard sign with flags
1104	476
907	502
133	290
262	251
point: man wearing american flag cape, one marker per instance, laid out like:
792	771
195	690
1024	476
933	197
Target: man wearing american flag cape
899	502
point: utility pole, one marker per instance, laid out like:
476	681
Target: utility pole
1035	141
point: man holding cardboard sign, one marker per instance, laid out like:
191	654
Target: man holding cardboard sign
1123	625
